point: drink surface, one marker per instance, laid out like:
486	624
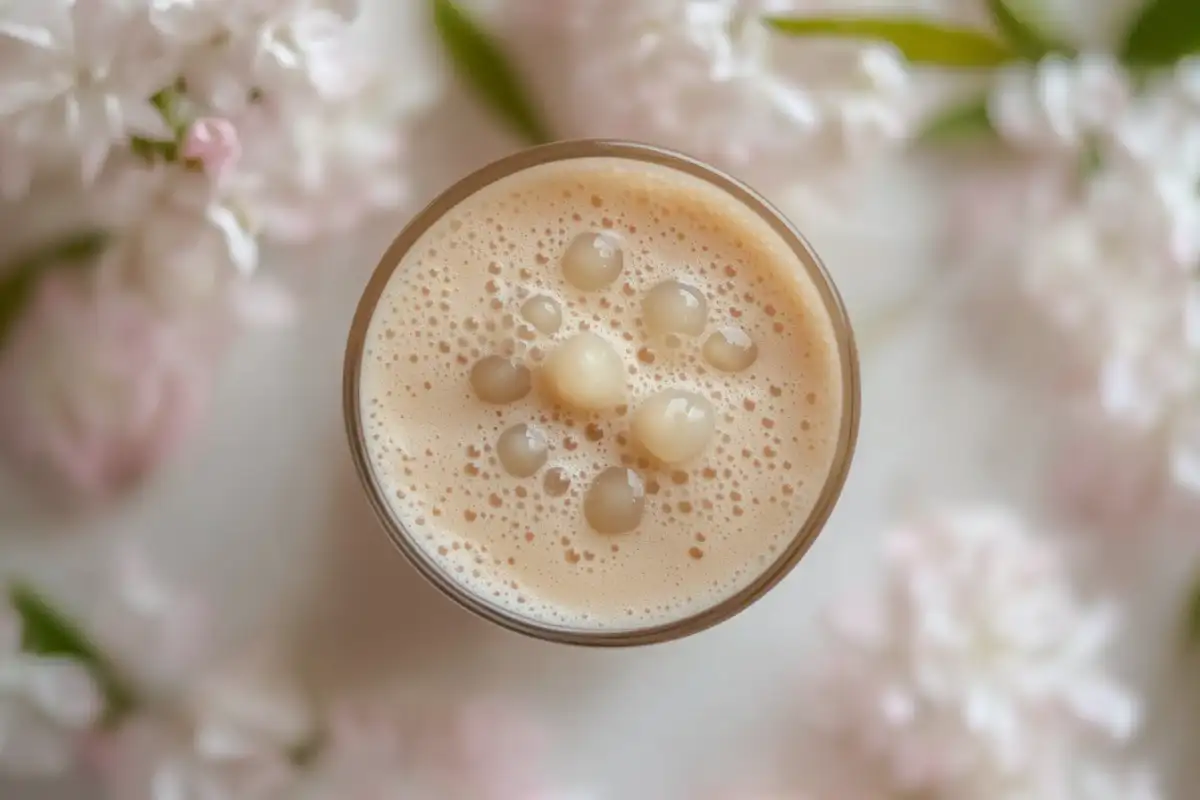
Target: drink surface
462	349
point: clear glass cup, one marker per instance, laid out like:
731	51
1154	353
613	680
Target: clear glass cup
807	529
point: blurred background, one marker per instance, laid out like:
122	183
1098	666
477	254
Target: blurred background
202	605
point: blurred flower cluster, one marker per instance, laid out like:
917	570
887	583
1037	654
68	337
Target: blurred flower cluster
195	724
971	671
1097	227
710	79
181	133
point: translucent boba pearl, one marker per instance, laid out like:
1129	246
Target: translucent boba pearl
543	313
730	350
675	307
674	425
615	501
500	380
587	373
557	482
522	450
593	260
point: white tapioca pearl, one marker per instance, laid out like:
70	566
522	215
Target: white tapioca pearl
730	350
586	372
674	425
500	380
675	307
593	260
615	501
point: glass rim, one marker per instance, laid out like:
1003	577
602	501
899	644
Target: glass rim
809	528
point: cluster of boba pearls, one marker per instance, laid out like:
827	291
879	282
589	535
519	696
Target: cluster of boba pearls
586	373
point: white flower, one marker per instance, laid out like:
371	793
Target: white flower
1058	103
46	704
155	758
79	73
383	748
250	706
230	740
1107	269
314	46
234	49
1111	259
185	238
708	78
974	671
311	168
143	611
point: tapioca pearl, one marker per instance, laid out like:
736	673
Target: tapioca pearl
543	313
674	307
674	425
500	380
557	482
730	349
616	501
522	450
592	261
587	373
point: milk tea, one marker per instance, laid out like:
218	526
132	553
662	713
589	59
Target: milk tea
601	394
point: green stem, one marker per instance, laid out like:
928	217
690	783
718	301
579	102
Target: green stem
19	278
48	632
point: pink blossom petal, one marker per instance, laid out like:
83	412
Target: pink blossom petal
96	388
213	141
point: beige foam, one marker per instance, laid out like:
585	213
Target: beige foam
711	525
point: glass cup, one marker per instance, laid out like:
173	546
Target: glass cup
806	529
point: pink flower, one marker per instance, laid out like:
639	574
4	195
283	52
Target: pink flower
151	758
1108	474
377	750
96	388
213	141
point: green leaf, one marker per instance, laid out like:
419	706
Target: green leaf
1024	35
154	150
169	102
19	279
49	633
959	123
480	62
1091	160
1164	32
921	41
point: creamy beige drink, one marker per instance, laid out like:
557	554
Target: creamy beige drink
603	394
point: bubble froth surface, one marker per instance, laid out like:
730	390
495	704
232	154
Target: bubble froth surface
589	507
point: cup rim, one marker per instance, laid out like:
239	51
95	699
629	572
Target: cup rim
809	529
